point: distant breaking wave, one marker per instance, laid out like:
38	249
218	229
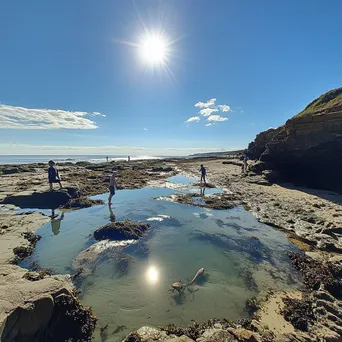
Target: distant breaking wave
29	159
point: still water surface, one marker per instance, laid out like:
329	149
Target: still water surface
127	285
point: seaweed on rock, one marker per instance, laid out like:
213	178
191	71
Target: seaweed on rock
70	321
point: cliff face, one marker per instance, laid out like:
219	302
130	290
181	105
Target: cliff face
308	148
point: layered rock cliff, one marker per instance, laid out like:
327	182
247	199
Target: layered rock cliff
308	148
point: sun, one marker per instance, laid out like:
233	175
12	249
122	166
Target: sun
154	49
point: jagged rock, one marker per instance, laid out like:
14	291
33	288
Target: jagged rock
42	200
147	334
125	230
308	148
216	335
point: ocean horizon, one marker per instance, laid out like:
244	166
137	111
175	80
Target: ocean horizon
29	159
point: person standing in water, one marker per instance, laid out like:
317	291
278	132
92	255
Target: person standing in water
203	175
53	175
112	186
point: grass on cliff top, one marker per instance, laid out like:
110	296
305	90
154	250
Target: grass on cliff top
327	103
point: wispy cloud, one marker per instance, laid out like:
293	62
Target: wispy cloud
224	108
216	118
145	129
193	119
207	109
13	117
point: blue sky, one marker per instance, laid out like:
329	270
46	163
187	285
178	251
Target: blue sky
264	59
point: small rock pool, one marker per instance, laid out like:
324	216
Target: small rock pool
128	283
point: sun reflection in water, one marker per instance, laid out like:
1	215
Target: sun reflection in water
152	275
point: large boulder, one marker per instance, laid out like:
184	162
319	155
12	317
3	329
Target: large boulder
42	200
34	309
125	230
308	148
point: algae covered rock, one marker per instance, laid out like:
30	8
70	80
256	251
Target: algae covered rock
125	230
81	202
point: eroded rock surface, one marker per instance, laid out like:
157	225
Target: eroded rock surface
212	331
31	310
308	148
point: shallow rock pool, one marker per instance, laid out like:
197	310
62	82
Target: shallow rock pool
128	283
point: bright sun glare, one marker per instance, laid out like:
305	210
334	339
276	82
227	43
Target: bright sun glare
152	275
154	49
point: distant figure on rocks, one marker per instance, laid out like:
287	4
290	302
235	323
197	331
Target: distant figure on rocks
107	159
128	158
245	163
203	174
112	187
53	175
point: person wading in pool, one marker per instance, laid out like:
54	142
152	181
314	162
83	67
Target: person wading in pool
203	175
53	175
112	187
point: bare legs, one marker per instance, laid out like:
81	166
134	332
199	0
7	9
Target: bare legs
51	185
203	179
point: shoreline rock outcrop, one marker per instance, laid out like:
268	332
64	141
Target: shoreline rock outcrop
45	309
307	149
42	200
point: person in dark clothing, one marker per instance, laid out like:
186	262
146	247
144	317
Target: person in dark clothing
53	175
203	175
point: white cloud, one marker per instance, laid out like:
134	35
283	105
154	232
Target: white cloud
13	117
216	118
193	119
208	111
208	108
207	104
51	150
145	129
224	108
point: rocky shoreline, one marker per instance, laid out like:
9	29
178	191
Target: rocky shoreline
311	218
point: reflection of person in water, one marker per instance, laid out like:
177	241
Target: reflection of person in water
202	191
111	214
56	222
